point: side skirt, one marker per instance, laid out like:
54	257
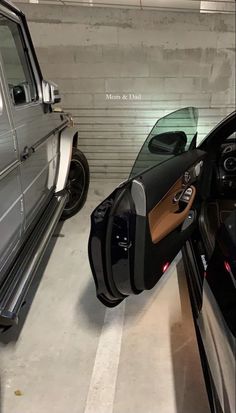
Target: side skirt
19	278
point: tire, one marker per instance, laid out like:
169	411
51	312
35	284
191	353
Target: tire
77	184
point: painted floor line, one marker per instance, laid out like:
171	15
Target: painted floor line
102	387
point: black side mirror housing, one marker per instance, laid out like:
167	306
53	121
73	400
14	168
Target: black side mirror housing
168	143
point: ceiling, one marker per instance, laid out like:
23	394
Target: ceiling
204	6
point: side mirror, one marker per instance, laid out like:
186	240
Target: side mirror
50	93
168	143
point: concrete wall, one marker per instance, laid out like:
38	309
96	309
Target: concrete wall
155	61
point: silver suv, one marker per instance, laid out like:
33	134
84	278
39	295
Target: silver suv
43	176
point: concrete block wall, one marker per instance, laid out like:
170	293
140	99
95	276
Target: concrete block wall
120	69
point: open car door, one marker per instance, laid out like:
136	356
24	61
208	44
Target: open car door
137	231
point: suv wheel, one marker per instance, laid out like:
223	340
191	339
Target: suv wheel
77	184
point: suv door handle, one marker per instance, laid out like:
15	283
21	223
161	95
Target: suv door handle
27	152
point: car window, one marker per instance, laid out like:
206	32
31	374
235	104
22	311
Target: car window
16	63
170	136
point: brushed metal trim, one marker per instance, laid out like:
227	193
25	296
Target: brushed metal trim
139	197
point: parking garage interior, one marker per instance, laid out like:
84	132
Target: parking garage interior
120	65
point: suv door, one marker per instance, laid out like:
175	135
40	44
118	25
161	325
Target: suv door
138	230
11	211
38	146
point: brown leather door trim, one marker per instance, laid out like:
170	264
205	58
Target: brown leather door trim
164	217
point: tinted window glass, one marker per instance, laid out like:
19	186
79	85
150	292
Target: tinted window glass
16	63
170	136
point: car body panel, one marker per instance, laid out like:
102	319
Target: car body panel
217	318
11	213
11	216
219	344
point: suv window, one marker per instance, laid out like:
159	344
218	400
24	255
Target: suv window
16	63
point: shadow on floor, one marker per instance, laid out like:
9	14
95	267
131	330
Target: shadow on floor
91	307
11	334
94	310
190	392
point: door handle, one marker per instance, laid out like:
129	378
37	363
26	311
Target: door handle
178	195
26	153
126	245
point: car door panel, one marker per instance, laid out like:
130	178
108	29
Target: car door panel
11	216
8	152
216	321
35	130
219	344
11	212
165	217
38	174
132	236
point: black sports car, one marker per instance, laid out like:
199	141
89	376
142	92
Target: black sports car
180	196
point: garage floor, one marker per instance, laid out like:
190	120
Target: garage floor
74	356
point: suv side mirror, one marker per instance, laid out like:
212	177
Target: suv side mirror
50	93
168	143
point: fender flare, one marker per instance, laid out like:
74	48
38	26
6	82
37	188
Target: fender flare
66	144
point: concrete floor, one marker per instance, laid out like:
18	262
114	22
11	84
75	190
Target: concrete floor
74	356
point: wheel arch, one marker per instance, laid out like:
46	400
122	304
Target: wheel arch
75	140
68	140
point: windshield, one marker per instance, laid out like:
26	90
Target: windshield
182	121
